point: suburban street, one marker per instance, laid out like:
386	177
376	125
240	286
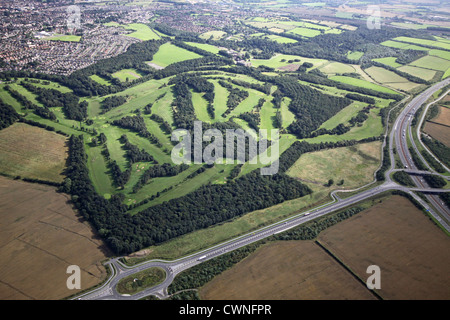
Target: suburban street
398	138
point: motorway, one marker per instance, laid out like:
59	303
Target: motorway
403	122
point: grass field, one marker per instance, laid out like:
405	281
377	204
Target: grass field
355	55
390	61
355	165
205	46
282	60
127	75
344	115
214	35
169	53
66	38
422	73
32	152
40	236
390	79
362	83
100	80
437	44
337	67
432	62
305	32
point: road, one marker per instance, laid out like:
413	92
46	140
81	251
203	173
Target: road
401	129
403	122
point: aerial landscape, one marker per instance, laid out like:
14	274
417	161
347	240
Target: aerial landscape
220	150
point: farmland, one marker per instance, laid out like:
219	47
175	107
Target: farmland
30	211
31	152
384	235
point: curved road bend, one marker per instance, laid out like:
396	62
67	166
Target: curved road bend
172	268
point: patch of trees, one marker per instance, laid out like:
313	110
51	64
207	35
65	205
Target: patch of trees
183	109
112	102
408	56
290	155
408	76
7	115
120	177
52	98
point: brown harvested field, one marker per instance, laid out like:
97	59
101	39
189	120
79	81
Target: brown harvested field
32	152
40	236
291	270
413	254
439	128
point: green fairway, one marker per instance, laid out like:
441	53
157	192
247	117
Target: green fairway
286	115
200	106
169	53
